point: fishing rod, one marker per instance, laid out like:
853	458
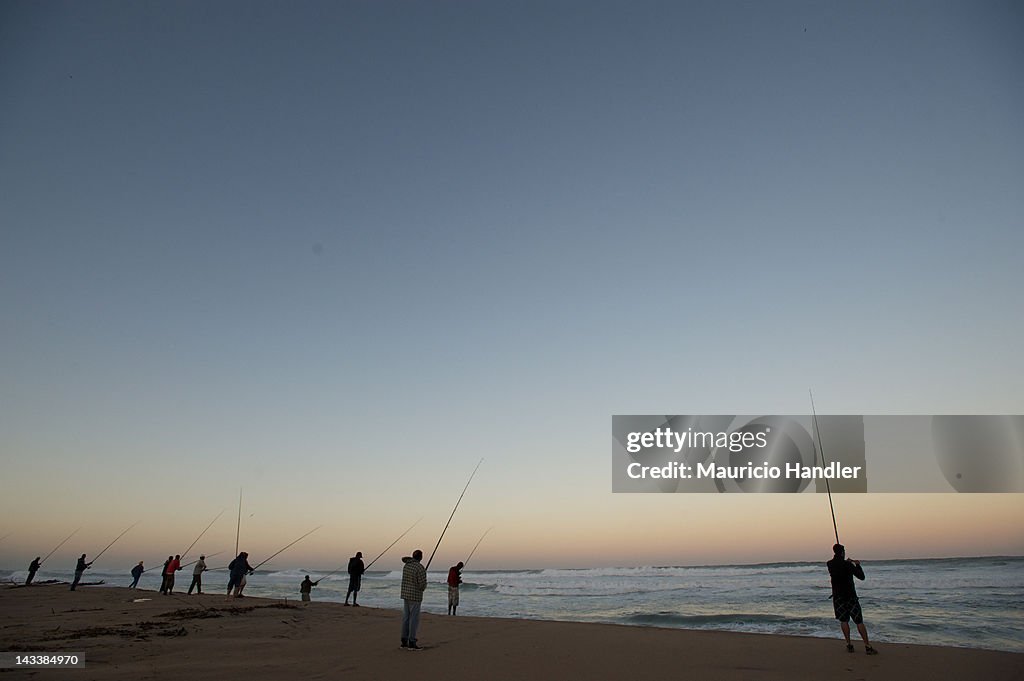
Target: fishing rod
190	562
453	513
111	544
393	543
212	555
289	545
59	545
185	554
466	562
238	528
821	448
340	568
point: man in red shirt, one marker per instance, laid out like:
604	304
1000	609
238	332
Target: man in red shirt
172	567
454	579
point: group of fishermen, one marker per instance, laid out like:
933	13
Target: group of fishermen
171	566
842	571
37	563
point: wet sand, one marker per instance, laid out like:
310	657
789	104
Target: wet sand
210	637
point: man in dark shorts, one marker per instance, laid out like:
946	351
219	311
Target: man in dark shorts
355	577
842	570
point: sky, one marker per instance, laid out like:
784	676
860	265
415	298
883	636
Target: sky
332	254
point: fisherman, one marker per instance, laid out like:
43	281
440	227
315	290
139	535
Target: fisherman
172	567
238	569
842	570
80	569
414	583
163	574
245	578
355	577
306	587
454	579
197	576
136	574
33	568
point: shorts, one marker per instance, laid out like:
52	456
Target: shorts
354	582
847	608
453	596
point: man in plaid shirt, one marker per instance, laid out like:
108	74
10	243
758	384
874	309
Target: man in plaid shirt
414	583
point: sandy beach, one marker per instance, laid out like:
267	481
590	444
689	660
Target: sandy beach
210	637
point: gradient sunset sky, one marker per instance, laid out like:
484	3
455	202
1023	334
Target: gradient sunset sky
333	253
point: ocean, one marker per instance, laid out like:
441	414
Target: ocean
966	602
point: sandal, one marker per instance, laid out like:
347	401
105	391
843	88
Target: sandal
849	647
870	651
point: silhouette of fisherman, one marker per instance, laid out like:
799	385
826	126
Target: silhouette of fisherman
136	574
80	569
163	574
454	579
414	583
355	577
197	576
306	587
33	568
173	566
842	570
238	569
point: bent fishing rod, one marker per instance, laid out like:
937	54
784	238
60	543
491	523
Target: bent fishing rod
453	513
59	545
821	449
111	544
466	562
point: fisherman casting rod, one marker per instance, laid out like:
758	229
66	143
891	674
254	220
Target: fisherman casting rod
453	513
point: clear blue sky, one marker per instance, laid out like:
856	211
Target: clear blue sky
336	252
